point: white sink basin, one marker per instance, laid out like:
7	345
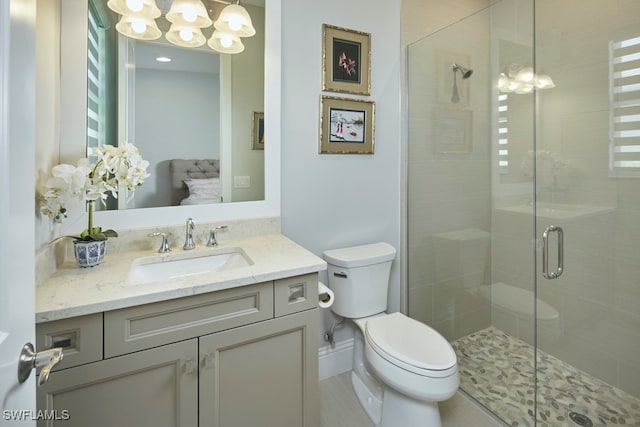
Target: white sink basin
175	266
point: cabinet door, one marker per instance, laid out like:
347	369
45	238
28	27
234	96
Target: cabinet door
265	374
155	388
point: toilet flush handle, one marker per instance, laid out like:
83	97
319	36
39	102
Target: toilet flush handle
340	274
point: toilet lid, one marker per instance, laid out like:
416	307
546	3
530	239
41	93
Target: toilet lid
410	342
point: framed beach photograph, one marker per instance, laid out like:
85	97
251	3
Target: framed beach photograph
346	60
257	142
346	126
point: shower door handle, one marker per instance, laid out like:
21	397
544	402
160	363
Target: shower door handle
545	252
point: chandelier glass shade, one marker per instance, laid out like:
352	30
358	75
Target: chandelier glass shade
146	8
138	27
225	42
235	19
189	12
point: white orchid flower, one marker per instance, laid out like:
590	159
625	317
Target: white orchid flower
116	168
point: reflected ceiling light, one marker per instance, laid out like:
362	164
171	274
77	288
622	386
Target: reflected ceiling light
189	12
544	81
138	27
163	59
146	8
225	43
235	19
185	36
525	75
522	80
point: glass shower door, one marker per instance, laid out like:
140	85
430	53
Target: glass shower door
587	187
471	272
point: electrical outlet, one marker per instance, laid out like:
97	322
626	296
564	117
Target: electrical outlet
241	181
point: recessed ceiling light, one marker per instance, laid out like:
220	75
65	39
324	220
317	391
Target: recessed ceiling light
163	59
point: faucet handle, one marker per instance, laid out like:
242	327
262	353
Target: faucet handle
188	238
212	235
164	245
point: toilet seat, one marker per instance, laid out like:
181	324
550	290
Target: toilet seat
411	345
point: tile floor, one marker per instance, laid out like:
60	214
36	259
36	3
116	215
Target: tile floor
497	370
339	407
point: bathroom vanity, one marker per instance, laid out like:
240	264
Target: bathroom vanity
234	347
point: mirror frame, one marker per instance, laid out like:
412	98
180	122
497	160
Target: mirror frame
73	71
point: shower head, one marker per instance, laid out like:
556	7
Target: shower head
466	72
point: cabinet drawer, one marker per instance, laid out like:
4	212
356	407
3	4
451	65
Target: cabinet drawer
80	337
295	294
141	327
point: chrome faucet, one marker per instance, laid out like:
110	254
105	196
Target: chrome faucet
188	241
164	245
212	235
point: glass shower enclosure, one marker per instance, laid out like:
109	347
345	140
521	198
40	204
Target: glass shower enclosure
524	206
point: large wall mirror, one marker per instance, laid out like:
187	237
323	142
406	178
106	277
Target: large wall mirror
222	95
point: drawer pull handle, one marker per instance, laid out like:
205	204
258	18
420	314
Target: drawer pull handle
64	343
297	293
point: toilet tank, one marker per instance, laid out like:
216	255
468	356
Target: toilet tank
359	279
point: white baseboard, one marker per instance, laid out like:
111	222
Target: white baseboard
335	360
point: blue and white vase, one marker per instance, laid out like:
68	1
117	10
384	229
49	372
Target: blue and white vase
89	253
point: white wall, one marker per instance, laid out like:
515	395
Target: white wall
332	201
167	104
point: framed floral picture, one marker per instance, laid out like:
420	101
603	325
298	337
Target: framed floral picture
346	126
257	142
346	60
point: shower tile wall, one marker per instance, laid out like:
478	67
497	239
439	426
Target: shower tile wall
449	193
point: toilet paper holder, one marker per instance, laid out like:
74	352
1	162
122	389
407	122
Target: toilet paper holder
325	296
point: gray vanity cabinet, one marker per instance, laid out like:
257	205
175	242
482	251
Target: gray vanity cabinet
151	388
261	375
238	357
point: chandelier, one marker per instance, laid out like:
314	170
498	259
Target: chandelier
187	18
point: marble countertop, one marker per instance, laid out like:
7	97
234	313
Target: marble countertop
72	291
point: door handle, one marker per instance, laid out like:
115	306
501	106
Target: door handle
30	359
545	252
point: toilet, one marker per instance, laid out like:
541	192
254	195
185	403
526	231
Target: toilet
401	368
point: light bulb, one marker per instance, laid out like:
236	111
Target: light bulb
135	5
226	40
186	34
189	13
235	22
138	25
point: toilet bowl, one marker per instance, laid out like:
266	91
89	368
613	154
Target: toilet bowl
401	368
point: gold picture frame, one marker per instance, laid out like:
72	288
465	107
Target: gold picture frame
257	140
346	126
346	60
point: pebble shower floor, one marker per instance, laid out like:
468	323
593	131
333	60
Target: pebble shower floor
496	369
